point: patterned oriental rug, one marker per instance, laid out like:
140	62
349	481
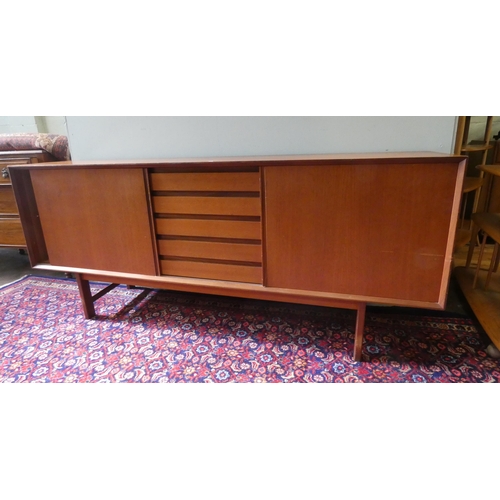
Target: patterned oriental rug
158	336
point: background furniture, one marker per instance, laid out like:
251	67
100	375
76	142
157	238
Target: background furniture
482	294
306	229
11	233
473	182
23	149
489	224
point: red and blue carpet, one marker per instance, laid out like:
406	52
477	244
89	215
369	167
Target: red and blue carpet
157	336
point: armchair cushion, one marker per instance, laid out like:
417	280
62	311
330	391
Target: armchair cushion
56	145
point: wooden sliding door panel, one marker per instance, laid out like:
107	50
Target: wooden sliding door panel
379	230
95	218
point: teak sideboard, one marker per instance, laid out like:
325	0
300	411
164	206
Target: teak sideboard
329	230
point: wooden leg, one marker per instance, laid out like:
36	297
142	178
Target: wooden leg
479	259
86	296
496	262
358	335
493	262
472	244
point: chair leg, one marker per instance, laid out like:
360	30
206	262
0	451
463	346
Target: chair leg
479	259
472	244
497	262
494	258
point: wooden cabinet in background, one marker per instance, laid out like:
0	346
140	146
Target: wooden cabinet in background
11	232
329	230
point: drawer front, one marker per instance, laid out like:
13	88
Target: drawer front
4	172
216	271
207	205
11	233
208	224
206	181
238	252
203	228
7	201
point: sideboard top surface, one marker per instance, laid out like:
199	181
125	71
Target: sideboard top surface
273	160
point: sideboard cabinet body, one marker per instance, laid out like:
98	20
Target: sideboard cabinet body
335	230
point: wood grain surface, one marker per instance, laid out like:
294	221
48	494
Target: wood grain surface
96	219
379	230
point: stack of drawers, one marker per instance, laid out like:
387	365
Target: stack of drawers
208	224
11	232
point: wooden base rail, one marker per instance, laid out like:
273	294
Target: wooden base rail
89	310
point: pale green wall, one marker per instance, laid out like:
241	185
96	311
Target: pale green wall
17	124
121	138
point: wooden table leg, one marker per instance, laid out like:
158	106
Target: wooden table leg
358	335
86	296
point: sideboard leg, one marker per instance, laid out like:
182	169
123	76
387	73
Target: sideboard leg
358	335
86	296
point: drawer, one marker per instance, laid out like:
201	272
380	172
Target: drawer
206	181
11	232
7	201
240	252
248	230
4	162
224	272
207	205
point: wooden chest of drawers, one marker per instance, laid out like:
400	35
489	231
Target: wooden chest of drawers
11	232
